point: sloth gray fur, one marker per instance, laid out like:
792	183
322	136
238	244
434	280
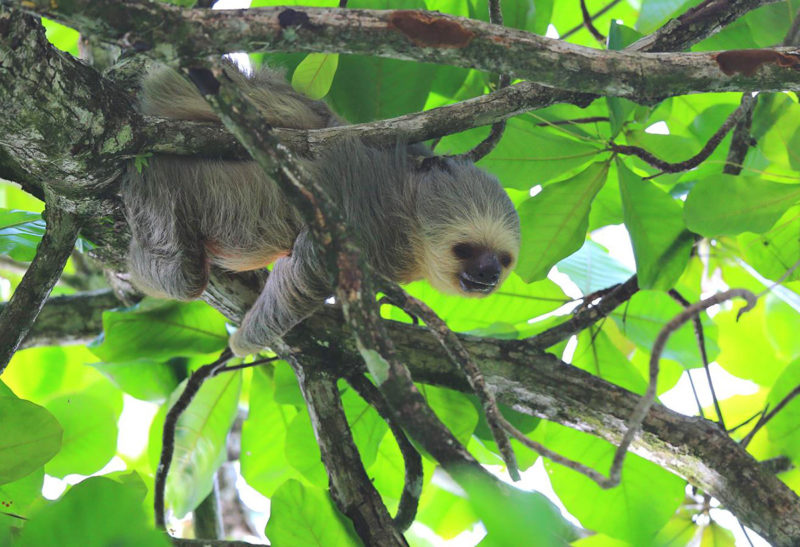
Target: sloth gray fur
444	220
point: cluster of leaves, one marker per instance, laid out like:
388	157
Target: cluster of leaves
684	228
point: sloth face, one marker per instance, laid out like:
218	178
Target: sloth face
482	268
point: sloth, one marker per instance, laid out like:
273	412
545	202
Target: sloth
440	219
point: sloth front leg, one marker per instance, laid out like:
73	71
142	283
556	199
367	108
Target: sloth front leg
296	287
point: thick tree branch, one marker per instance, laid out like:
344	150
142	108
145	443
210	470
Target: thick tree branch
20	312
696	24
350	486
430	37
70	319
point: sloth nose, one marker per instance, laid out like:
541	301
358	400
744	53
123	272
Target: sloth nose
486	269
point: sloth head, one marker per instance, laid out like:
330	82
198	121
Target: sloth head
469	229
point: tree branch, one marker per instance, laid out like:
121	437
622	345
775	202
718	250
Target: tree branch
429	37
21	311
351	488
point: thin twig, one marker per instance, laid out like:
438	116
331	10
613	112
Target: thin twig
575	121
747	421
585	317
19	314
701	345
696	397
587	22
741	141
789	271
496	133
691	163
768	416
412	484
255	363
643	406
193	385
605	9
461	357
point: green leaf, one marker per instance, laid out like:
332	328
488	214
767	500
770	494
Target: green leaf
596	354
554	222
515	302
745	342
158	329
445	513
302	450
89	419
314	75
715	535
502	508
145	379
527	155
97	511
367	426
454	409
20	233
64	38
678	532
305	516
775	251
200	437
593	269
29	437
656	12
287	391
264	436
21	497
726	204
661	243
646	314
634	511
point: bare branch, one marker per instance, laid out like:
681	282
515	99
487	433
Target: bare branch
351	488
587	22
697	323
193	385
462	358
641	77
696	24
694	161
21	311
602	11
588	315
768	416
412	485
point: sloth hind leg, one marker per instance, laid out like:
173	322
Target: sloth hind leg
174	269
296	287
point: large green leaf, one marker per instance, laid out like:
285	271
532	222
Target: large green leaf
454	409
145	379
20	498
200	437
306	516
302	450
635	510
661	243
775	251
527	155
593	269
29	437
158	329
20	233
503	508
727	205
646	314
744	342
596	354
264	437
89	419
95	512
314	75
367	426
515	302
554	222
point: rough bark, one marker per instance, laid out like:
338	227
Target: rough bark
429	37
